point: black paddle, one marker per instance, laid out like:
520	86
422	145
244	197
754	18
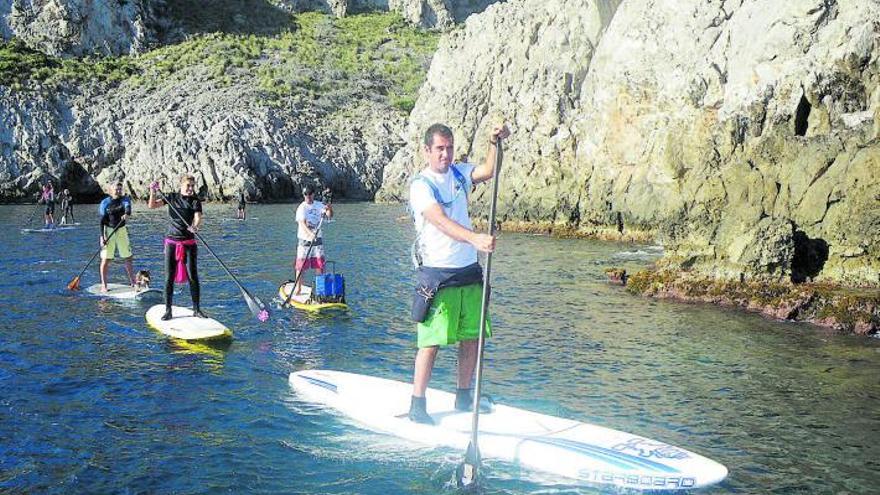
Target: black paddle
466	474
30	219
308	252
74	284
258	309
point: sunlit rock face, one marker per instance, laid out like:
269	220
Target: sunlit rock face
83	27
741	135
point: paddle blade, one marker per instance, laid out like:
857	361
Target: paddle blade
74	284
258	309
466	474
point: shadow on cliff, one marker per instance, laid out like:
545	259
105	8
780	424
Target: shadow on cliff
809	259
229	16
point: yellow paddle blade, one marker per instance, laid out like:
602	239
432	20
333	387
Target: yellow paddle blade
74	284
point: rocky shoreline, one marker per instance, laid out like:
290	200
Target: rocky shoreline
848	310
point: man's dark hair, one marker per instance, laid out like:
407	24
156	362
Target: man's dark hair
437	129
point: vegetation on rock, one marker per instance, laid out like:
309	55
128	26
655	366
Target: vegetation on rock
317	57
844	309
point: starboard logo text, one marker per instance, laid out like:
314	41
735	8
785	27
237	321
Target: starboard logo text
646	481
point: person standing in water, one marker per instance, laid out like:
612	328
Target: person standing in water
448	298
48	198
181	250
115	210
241	215
309	240
67	208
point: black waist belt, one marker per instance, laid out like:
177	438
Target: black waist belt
316	242
430	280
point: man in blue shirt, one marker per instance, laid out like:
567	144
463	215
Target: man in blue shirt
114	211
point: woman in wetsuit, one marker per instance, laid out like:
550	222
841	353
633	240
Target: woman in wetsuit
181	250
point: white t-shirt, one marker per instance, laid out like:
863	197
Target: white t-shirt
311	213
436	248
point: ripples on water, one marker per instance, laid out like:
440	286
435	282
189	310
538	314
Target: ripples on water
95	402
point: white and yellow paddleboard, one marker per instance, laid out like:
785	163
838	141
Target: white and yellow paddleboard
122	291
301	300
183	325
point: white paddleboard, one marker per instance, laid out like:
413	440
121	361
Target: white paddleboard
185	326
121	291
580	451
45	230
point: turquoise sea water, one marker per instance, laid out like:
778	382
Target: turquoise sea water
93	401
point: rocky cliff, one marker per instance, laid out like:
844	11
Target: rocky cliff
83	27
263	113
742	135
441	14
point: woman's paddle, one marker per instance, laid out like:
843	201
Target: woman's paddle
466	474
74	284
254	304
308	252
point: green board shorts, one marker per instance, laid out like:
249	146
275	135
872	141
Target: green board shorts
454	316
118	243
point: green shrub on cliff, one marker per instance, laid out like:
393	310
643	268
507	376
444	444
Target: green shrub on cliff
21	67
323	59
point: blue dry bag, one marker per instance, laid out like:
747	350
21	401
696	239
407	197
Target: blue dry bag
330	287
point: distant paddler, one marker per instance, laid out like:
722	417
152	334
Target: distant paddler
48	198
448	299
310	242
67	207
181	250
242	204
114	211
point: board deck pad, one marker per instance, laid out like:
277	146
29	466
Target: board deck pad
122	291
185	326
572	449
301	300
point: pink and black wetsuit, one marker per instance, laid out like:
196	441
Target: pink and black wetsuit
181	250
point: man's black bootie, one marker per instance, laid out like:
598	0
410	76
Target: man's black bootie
167	316
464	401
418	412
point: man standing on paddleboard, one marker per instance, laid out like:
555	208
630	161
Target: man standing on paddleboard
449	293
310	242
115	210
181	250
67	208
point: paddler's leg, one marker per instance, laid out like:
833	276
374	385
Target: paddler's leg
421	376
192	271
103	271
170	268
468	333
129	269
106	256
123	244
